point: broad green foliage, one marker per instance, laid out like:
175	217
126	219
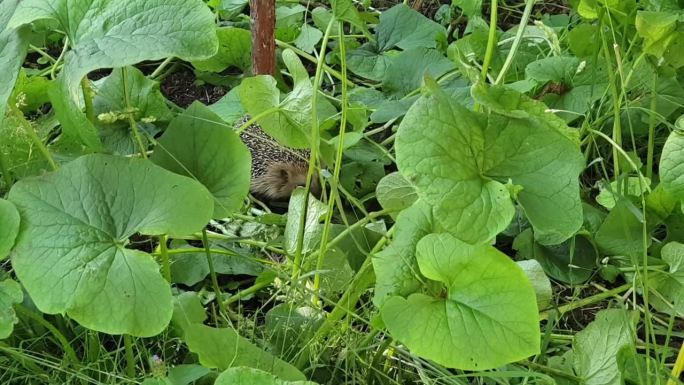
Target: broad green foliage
10	293
540	282
13	44
225	348
290	328
672	165
403	27
71	253
463	162
622	231
396	268
559	69
287	120
572	261
107	34
596	347
201	146
9	227
485	317
191	267
112	109
662	34
670	283
312	229
406	71
247	376
394	192
235	50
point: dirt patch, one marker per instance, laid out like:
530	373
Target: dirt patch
180	88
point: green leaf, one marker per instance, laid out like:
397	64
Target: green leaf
366	62
670	283
10	293
622	231
540	282
13	44
394	192
608	195
9	227
308	38
235	50
584	40
558	69
192	266
229	108
487	318
289	120
225	348
406	70
396	267
199	145
461	165
672	165
144	98
344	10
312	229
657	29
70	253
572	261
186	374
596	347
111	34
187	310
403	27
248	376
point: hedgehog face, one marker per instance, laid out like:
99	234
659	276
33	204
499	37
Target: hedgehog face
281	179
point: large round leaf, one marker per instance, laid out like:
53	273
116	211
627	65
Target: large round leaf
9	227
487	318
71	250
672	165
200	145
461	161
10	293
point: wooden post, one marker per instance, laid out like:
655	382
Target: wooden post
262	13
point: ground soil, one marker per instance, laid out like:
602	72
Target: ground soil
181	88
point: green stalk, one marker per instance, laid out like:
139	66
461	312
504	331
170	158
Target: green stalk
161	67
212	273
587	301
491	41
313	157
336	171
164	253
247	292
28	128
131	122
678	367
314	60
130	359
529	4
617	126
255	118
88	99
651	128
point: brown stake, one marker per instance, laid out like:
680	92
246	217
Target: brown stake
262	13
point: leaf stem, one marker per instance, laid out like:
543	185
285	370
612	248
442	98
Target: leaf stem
131	122
130	359
617	127
161	67
164	253
491	41
314	60
651	127
587	301
313	156
529	4
4	168
212	273
28	128
88	99
678	367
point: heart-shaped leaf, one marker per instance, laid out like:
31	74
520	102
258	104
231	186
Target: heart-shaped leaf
200	145
71	253
487	316
461	161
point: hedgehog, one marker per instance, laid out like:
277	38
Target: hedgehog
276	169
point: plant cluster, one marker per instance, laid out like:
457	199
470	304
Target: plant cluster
502	205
